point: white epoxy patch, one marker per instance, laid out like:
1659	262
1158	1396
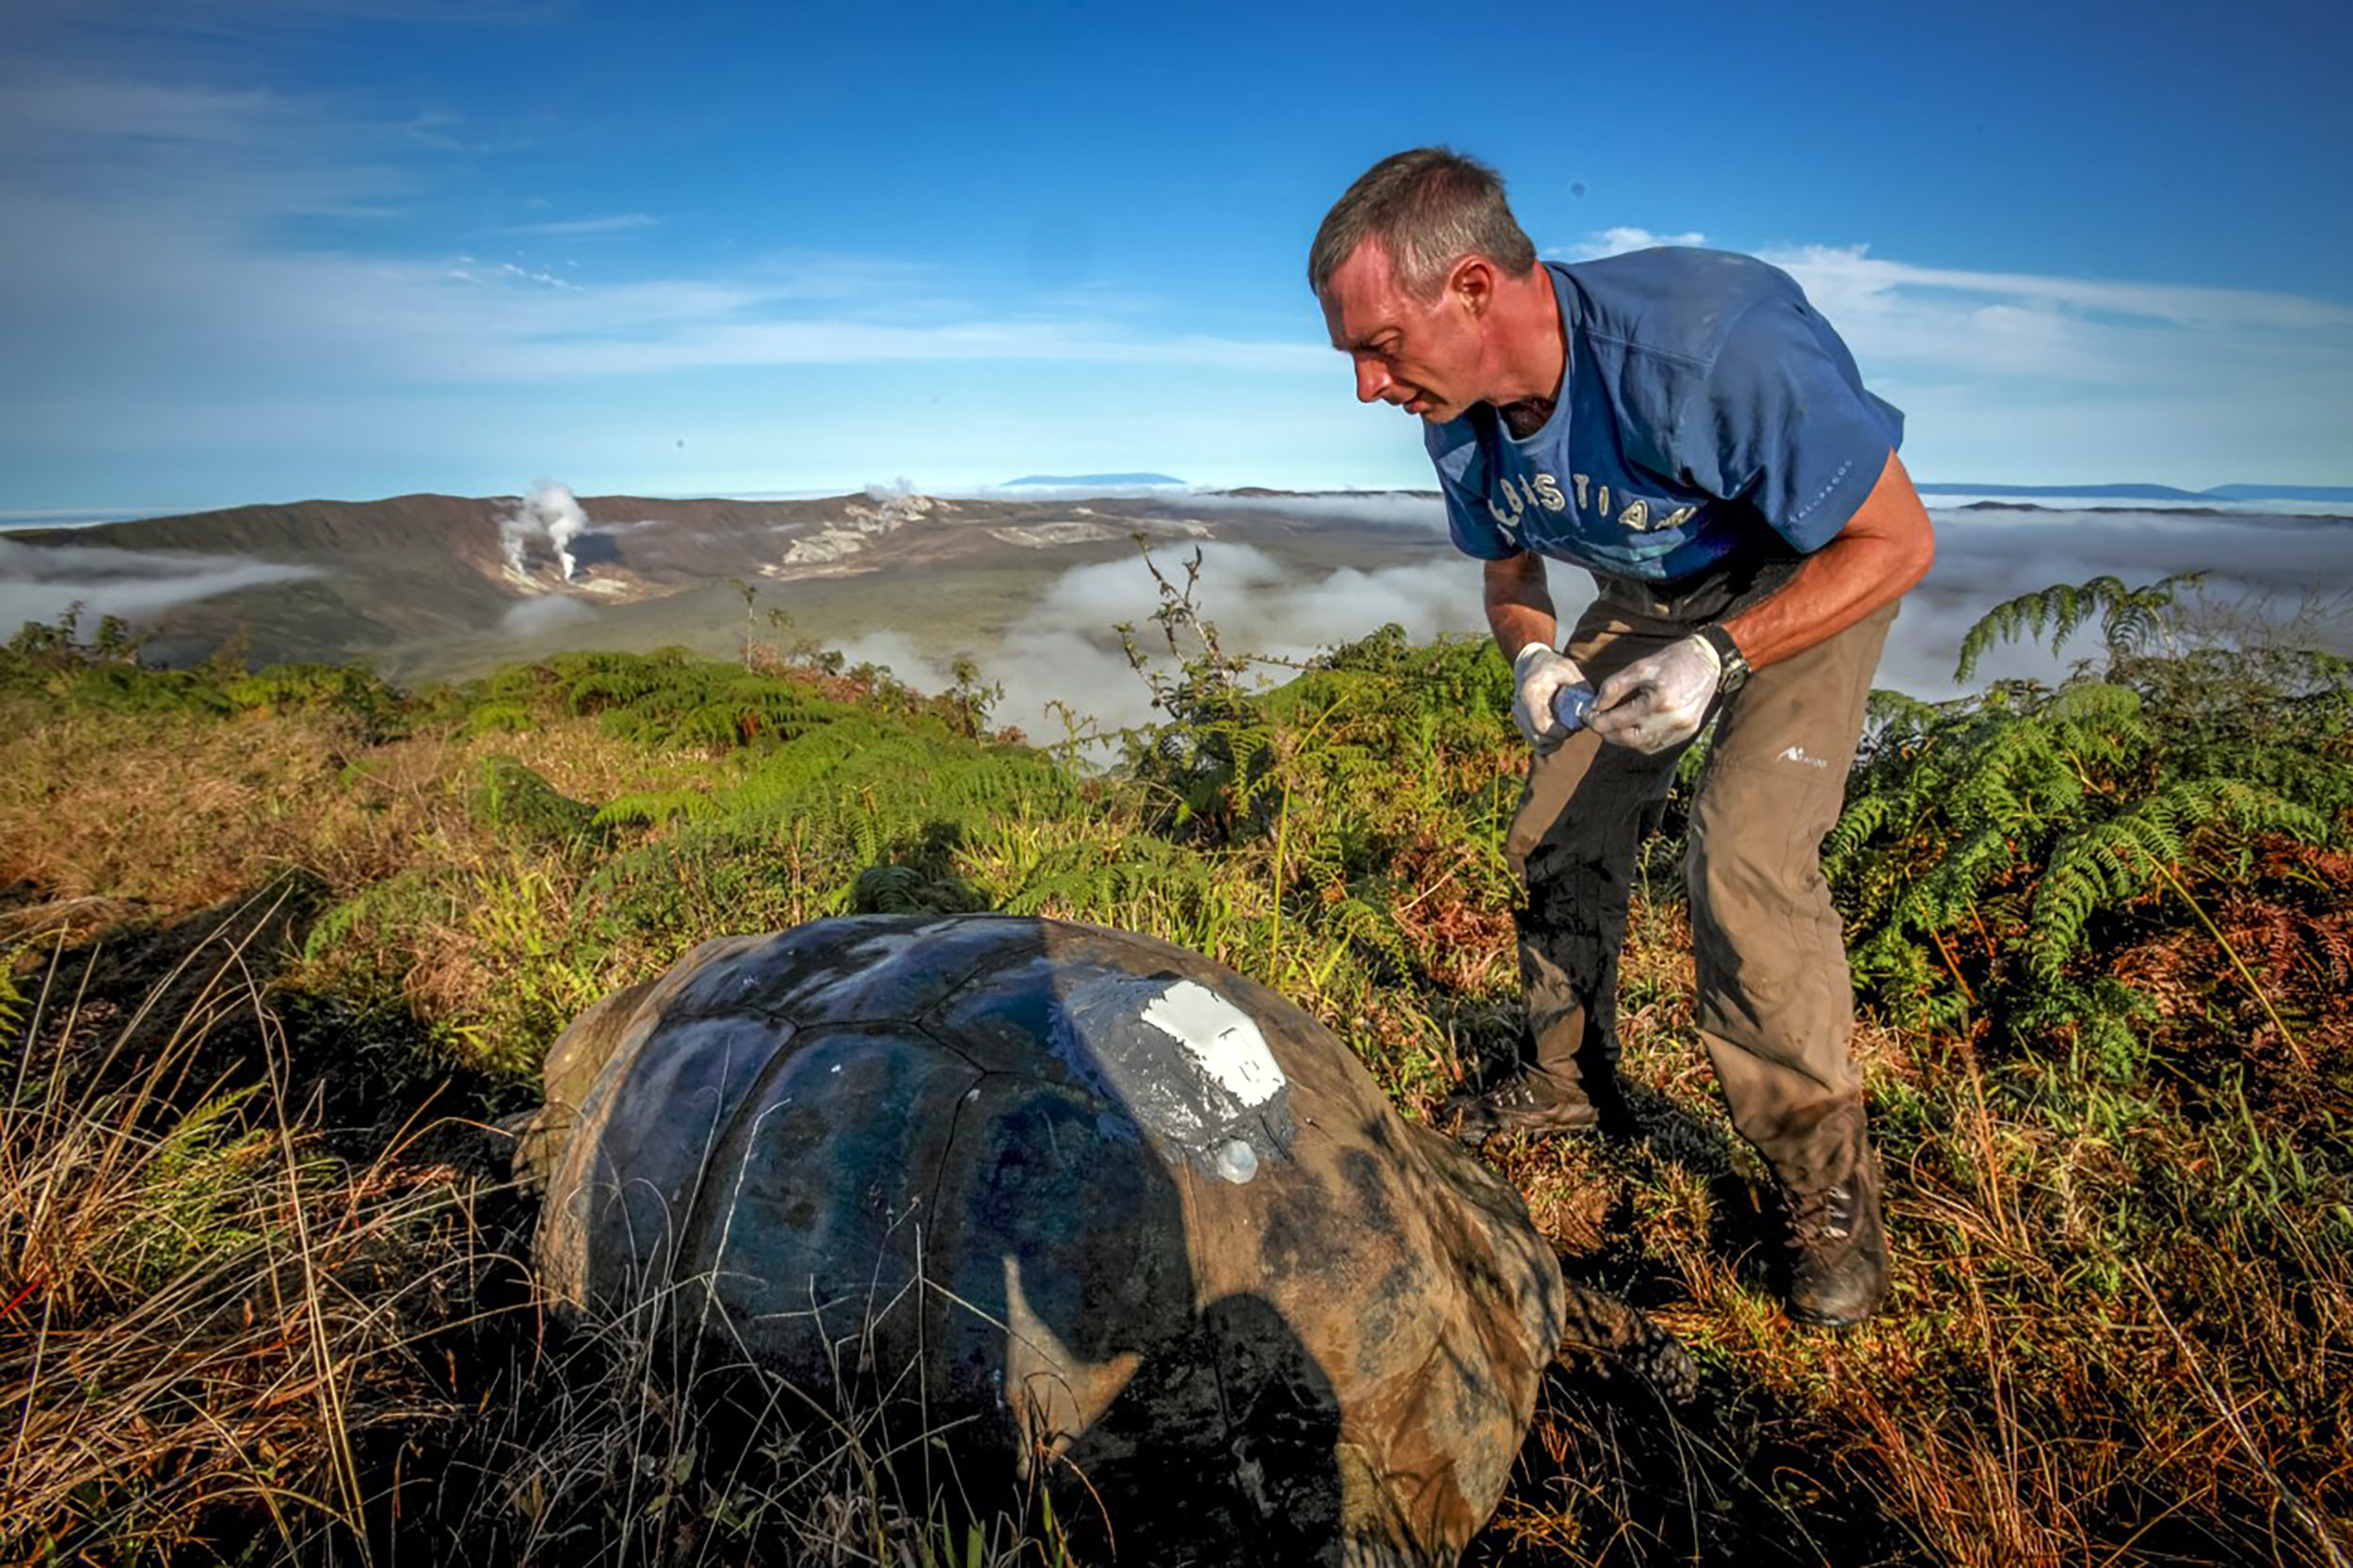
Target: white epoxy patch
1221	1037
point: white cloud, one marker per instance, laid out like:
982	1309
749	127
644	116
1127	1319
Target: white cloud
2062	329
1067	653
1851	272
612	224
1617	242
98	109
2069	380
1260	604
1983	557
1402	511
526	275
145	223
2026	376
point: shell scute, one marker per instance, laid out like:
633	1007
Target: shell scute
784	1242
642	1141
867	969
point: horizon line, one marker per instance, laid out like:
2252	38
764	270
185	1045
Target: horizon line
70	516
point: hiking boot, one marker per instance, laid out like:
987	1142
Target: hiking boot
1527	1101
1838	1247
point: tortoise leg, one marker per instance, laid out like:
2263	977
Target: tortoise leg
1605	1338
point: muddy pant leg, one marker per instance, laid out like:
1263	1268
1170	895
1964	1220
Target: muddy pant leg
1573	843
1776	1002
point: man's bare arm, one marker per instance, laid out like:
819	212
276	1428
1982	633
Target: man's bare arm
1885	548
1519	606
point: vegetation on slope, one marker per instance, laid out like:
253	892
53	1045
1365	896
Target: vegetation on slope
285	945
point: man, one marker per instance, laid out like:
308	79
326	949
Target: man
1680	424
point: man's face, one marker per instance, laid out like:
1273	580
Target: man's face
1422	356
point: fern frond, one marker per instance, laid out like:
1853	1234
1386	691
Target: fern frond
2130	618
652	808
2115	861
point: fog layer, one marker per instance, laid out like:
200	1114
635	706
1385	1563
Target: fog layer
2257	568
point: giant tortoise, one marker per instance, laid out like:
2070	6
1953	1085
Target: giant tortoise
1121	1220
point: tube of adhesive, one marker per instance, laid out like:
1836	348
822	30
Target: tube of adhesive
1573	706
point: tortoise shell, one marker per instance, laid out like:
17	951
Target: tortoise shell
1115	1214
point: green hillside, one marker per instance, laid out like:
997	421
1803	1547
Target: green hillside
286	945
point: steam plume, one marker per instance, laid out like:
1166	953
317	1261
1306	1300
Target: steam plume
550	511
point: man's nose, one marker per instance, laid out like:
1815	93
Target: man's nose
1372	376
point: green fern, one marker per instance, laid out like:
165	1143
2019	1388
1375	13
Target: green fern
2130	618
394	902
499	717
652	808
1990	841
2121	859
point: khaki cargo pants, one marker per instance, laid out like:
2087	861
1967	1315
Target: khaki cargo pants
1775	1000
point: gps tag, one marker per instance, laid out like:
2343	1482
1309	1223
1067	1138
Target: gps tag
1573	706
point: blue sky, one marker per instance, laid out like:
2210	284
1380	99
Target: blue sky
263	250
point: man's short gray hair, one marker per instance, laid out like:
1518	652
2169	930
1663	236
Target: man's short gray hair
1429	207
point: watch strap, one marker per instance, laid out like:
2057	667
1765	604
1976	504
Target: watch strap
1732	671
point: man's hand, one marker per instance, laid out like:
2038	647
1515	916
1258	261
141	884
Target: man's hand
1537	673
1659	702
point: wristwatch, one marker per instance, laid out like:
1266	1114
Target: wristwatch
1734	671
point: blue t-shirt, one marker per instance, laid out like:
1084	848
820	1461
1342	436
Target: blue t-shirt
1706	410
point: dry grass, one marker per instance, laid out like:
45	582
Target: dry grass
176	811
630	1441
171	811
204	1308
117	818
2122	1329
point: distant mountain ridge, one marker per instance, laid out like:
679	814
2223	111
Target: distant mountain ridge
425	586
2281	492
2151	493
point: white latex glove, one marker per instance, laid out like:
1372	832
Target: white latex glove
1659	702
1536	673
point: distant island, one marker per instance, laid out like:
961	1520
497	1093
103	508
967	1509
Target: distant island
1068	481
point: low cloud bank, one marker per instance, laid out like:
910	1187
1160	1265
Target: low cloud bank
530	617
2258	569
40	582
1069	654
1268	607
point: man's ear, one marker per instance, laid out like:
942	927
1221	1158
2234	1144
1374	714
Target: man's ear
1471	284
